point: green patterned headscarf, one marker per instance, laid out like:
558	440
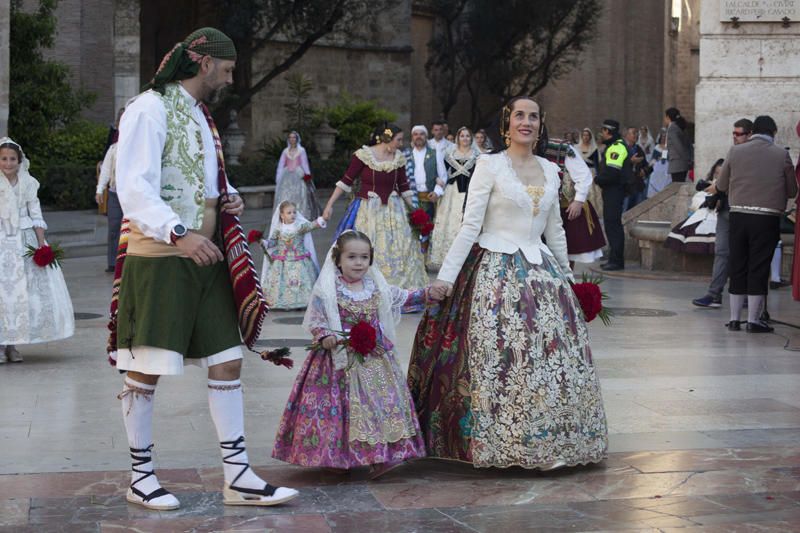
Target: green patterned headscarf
183	61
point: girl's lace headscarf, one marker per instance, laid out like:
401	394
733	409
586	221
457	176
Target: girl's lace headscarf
323	309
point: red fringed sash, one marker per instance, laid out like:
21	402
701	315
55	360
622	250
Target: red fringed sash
247	293
250	303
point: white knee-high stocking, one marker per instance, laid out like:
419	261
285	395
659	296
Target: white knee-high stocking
226	403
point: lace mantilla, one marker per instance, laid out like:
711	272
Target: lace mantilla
368	158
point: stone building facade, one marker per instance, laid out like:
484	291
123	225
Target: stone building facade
631	72
746	70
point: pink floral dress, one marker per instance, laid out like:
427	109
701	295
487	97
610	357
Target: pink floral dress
362	415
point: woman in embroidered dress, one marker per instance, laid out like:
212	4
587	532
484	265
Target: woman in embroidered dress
585	239
345	411
501	372
591	156
293	179
290	262
459	162
34	302
378	208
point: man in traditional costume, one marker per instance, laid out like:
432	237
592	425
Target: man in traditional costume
426	174
176	302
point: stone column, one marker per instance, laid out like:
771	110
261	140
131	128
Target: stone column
5	30
127	46
746	71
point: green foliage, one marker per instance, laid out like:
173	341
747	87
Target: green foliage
261	171
41	99
274	148
65	163
253	171
327	172
302	117
355	120
81	142
68	186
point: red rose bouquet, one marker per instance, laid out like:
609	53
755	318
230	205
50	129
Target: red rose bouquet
591	299
307	178
46	255
361	340
254	236
421	222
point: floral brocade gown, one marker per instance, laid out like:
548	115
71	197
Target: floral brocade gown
501	372
288	273
359	416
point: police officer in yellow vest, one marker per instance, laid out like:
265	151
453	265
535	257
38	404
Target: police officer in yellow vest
614	174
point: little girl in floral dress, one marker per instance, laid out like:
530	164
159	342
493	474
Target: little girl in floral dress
347	410
290	262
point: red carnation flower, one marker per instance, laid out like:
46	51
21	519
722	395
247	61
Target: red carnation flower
307	177
419	218
363	338
590	298
254	236
44	256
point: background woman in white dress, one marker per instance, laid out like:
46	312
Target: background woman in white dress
34	301
293	181
460	163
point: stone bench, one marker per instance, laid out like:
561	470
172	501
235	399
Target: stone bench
257	196
651	235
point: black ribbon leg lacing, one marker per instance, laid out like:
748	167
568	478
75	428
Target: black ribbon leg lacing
236	449
140	460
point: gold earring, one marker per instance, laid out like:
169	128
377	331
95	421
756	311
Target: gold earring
507	139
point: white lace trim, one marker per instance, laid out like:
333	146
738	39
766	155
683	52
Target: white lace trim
513	189
368	158
357	296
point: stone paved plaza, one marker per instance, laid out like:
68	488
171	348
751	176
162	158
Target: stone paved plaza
704	430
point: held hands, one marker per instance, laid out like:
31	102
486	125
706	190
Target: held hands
439	290
329	342
326	214
234	206
574	209
199	249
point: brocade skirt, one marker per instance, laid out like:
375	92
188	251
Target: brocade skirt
501	372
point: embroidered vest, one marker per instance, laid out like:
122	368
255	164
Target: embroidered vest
182	165
431	170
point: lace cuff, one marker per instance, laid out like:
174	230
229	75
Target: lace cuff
342	185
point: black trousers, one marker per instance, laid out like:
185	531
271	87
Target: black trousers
613	197
679	177
752	242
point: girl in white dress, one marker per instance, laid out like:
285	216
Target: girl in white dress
34	302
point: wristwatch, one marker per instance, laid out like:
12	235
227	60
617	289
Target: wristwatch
178	231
